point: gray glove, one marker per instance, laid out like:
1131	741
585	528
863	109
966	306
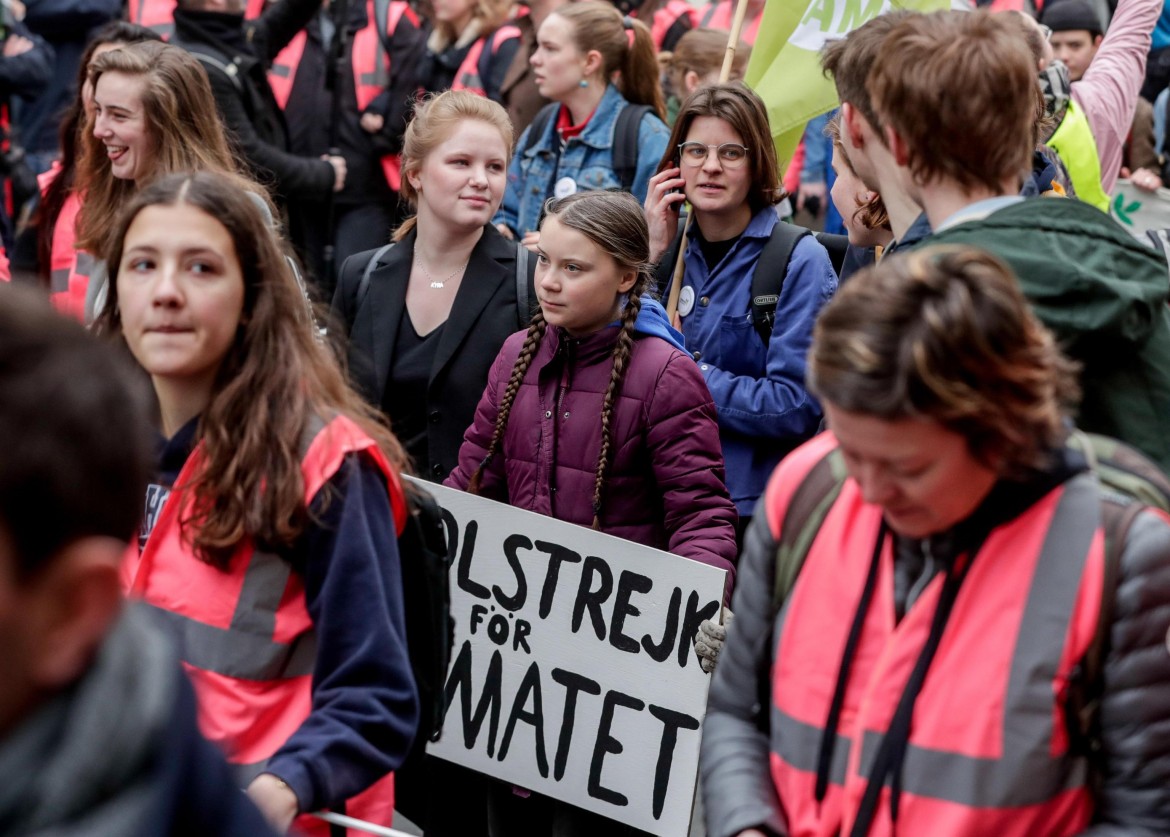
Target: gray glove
709	640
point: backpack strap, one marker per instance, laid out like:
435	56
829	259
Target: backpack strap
803	518
210	57
539	125
767	282
625	143
525	289
364	283
837	247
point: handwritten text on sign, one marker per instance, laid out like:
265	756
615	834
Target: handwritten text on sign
573	671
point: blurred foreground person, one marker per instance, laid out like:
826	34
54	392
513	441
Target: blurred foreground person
916	643
97	724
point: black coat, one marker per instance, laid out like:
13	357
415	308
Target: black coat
244	98
484	313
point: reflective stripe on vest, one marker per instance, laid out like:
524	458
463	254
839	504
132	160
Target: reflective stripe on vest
69	269
247	641
1075	144
467	77
371	69
988	751
666	16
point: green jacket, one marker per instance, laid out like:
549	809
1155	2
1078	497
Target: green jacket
1104	295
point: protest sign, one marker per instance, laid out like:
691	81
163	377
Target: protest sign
573	672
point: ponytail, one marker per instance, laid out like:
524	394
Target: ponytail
639	82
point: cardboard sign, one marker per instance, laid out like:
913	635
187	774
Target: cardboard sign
1138	211
573	672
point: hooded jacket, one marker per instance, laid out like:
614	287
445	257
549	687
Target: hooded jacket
665	485
1103	295
119	755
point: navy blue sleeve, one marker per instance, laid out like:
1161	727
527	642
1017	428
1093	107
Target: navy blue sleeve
27	74
365	704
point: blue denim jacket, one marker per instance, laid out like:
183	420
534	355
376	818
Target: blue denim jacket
759	392
587	158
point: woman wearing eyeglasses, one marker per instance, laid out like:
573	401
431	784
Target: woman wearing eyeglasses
720	155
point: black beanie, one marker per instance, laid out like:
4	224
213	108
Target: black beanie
1071	16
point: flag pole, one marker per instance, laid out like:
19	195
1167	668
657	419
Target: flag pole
724	74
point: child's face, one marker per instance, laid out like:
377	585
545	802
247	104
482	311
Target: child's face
181	294
578	284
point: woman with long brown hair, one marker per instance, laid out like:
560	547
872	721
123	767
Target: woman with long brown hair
153	114
269	544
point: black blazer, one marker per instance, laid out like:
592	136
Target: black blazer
483	314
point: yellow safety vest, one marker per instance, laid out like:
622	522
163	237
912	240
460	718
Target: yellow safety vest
1075	144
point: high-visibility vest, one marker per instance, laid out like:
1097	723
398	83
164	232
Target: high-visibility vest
718	15
1077	147
159	15
666	16
988	751
467	76
371	68
245	636
69	268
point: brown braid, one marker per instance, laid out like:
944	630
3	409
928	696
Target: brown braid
519	369
621	356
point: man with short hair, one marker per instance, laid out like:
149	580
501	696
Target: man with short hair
1101	292
97	721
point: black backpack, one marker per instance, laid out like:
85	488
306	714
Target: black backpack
426	596
625	138
766	284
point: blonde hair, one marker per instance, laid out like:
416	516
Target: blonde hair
435	119
486	17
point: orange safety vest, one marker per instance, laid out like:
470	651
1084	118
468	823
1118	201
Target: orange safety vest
69	268
246	639
467	77
371	69
159	15
988	751
718	15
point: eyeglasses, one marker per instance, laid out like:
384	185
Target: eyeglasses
731	155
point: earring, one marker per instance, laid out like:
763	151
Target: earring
583	83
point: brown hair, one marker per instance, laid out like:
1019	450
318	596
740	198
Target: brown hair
632	67
702	51
614	221
849	60
872	213
182	122
119	32
741	108
277	378
960	89
435	119
945	334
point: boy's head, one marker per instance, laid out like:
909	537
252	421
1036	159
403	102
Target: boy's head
1076	34
76	456
957	98
848	62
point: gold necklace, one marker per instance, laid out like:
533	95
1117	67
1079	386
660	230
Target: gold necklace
437	283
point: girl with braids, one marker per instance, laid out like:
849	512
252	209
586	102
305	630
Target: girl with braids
269	543
597	416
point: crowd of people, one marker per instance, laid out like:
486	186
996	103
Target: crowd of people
283	256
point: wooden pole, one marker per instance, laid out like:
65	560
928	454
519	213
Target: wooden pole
724	74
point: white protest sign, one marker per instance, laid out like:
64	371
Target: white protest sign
573	671
1138	210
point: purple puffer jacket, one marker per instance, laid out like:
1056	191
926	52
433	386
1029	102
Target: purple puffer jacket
665	482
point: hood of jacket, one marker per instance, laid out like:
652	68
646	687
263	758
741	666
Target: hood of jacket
91	776
1083	273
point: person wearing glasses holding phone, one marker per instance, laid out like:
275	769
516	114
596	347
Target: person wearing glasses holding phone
721	160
